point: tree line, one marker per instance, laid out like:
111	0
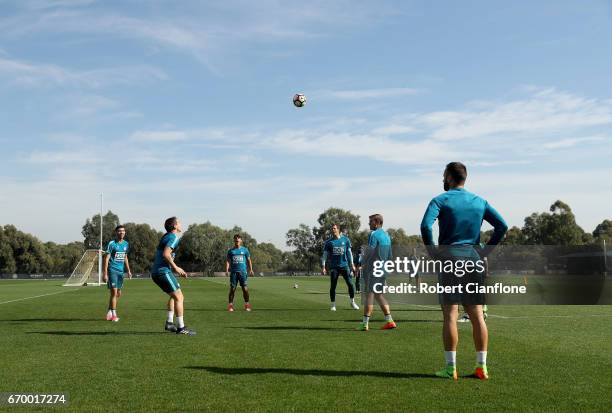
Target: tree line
203	246
556	227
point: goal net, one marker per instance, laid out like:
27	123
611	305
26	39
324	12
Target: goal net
86	271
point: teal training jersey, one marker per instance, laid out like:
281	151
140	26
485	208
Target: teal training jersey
337	253
160	265
379	243
237	257
460	214
118	252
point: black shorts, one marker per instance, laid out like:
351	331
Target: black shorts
372	284
343	272
463	281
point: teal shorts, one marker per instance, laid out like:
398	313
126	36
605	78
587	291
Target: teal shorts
238	276
115	280
166	281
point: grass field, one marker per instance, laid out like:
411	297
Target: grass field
291	353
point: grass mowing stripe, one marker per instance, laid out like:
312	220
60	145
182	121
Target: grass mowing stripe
35	296
549	316
292	354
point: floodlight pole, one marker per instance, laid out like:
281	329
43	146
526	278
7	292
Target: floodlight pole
101	246
605	259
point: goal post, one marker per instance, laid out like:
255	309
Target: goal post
87	271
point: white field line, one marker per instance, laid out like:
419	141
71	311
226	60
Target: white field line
550	316
435	307
211	279
527	316
36	296
222	280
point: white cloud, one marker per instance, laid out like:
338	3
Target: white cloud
571	142
89	105
54	4
401	198
208	31
217	137
187	36
543	112
42	74
70	157
394	129
542	120
379	148
159	136
367	93
497	173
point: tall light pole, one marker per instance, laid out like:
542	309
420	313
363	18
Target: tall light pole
605	258
101	246
602	232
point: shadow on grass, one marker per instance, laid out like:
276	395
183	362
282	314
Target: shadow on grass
255	309
310	372
238	309
163	309
397	320
25	320
281	328
98	333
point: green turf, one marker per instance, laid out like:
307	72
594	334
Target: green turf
291	353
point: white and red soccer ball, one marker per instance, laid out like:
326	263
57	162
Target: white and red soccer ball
299	100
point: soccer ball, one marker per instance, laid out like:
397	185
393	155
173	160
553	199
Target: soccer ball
299	100
295	285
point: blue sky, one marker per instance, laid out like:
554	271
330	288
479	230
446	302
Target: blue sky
184	108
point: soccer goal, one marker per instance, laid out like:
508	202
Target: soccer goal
87	271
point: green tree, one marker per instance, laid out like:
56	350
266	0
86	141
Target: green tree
403	244
7	261
266	257
306	250
143	243
603	231
203	248
485	236
349	224
360	239
91	230
558	227
532	228
64	257
29	254
291	262
514	236
400	238
308	244
247	239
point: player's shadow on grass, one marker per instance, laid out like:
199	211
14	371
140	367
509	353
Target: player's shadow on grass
280	328
34	320
310	372
310	310
398	320
163	310
224	309
97	333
